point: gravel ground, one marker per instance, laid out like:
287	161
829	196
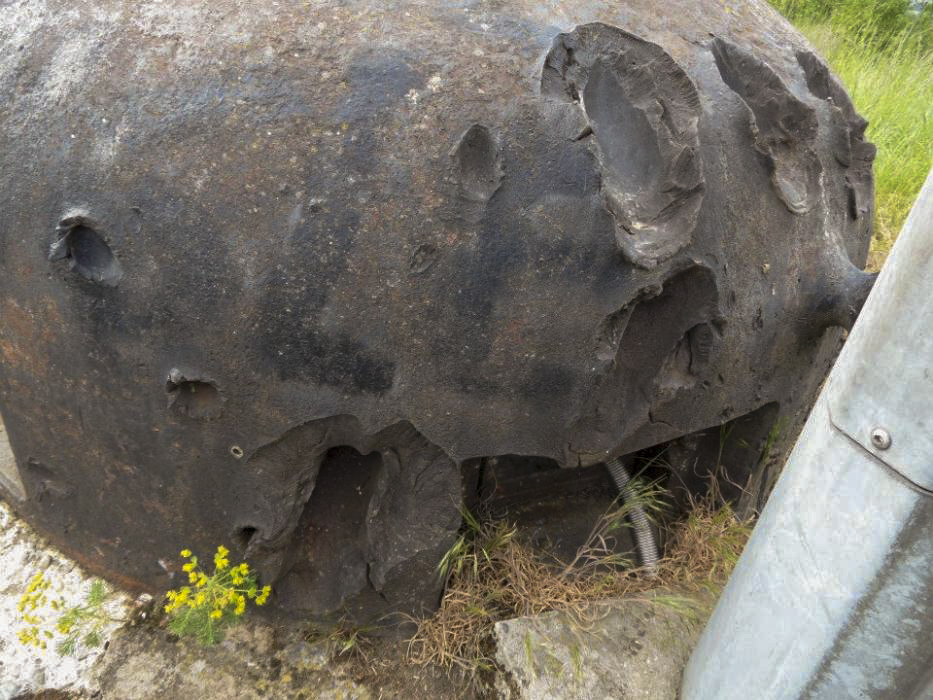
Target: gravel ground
259	659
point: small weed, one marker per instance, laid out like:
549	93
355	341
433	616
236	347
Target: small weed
346	639
529	649
576	660
74	625
597	554
213	602
687	607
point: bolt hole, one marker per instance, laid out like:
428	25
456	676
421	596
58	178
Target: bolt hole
194	398
86	251
236	451
245	536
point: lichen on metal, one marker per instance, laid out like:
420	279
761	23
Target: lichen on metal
285	276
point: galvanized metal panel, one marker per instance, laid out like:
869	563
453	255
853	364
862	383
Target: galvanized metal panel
884	378
833	597
823	539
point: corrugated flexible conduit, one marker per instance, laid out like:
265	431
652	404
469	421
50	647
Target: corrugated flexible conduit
644	537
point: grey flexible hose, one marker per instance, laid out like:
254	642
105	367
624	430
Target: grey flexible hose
644	537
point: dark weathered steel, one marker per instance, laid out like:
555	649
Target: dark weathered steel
272	273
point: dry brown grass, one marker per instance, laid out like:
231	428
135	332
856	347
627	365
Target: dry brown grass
345	640
704	547
493	575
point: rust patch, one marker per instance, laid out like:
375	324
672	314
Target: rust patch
23	336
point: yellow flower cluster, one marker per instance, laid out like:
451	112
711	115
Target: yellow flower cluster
65	624
81	624
220	558
35	597
212	601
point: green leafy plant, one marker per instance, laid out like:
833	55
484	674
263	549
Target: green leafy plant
73	625
212	602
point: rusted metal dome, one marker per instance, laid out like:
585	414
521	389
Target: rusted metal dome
277	275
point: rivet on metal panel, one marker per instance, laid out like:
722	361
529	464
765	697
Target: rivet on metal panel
880	439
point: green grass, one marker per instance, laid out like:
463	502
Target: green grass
883	54
877	22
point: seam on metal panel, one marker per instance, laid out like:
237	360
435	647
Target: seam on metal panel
914	485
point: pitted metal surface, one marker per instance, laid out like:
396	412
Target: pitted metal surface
271	275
